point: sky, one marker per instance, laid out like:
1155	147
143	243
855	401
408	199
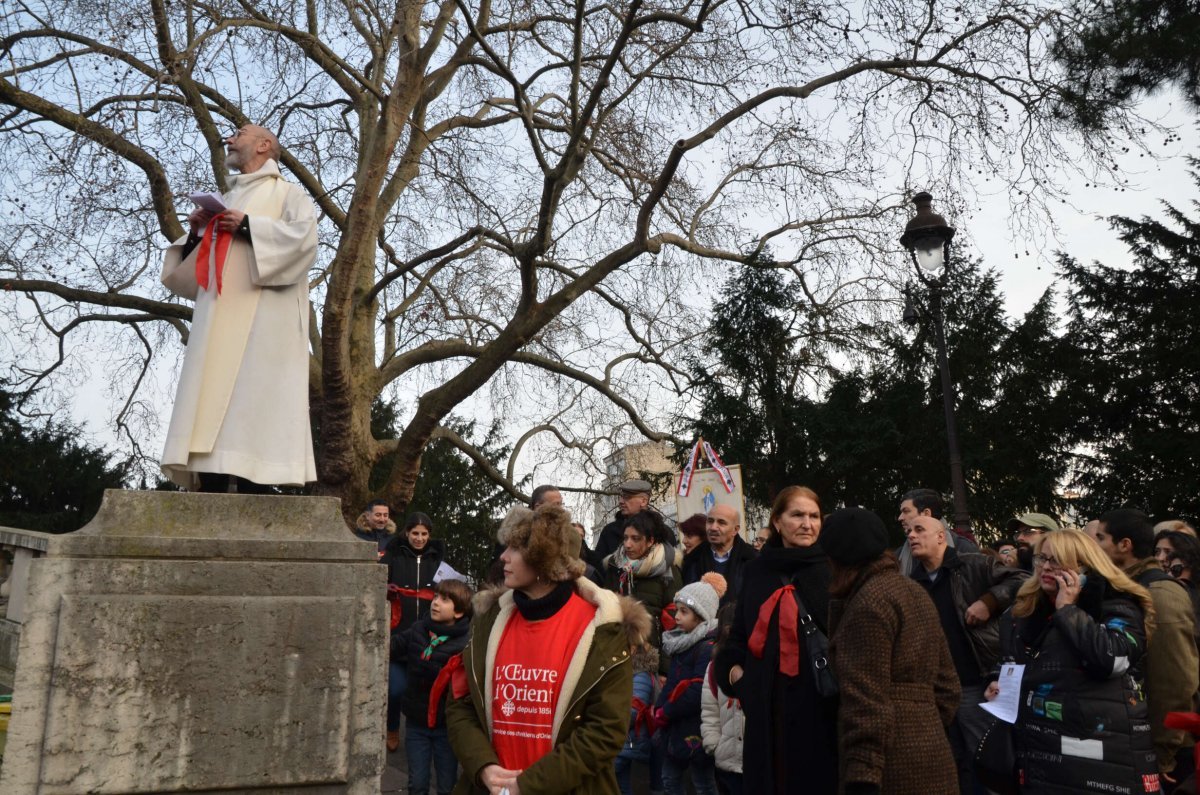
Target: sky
1026	267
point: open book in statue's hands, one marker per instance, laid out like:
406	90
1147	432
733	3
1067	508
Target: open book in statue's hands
209	201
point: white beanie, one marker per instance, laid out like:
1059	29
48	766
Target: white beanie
704	597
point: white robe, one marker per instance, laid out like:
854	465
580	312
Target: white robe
241	407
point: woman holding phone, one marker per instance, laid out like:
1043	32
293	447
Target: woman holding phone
1080	627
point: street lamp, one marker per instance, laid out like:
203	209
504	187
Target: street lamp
927	238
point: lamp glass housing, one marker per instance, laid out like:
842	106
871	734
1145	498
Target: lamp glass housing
930	254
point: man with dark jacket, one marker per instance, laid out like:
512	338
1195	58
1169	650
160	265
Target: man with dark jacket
375	524
725	553
1171	669
970	591
925	502
633	497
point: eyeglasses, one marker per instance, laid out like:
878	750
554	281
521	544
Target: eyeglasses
1030	531
1047	560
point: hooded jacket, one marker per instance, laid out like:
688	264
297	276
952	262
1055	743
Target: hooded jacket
413	570
1082	722
722	725
363	530
591	718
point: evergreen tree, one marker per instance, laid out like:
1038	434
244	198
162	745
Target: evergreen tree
49	480
1128	48
465	505
1137	395
878	429
749	380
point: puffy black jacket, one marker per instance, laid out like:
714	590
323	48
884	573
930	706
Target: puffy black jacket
408	569
408	647
1082	723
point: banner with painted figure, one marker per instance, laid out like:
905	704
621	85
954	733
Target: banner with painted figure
698	489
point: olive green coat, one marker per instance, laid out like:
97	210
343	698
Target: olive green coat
591	719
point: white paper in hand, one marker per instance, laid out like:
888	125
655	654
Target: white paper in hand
1007	704
446	572
208	201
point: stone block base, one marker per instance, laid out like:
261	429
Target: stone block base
200	642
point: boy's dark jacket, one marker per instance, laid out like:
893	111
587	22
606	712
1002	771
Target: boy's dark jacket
407	648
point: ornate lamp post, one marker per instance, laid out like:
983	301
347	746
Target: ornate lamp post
927	238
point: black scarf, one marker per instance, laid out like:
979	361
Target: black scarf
808	569
548	605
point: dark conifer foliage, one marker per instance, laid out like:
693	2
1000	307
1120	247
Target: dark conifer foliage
50	481
1137	391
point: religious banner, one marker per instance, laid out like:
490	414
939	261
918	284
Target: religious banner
709	487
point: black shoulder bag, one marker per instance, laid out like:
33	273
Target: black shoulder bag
816	647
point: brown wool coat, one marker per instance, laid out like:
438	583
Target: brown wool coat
898	686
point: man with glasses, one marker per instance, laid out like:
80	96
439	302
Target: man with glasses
1171	666
970	591
1026	529
1007	552
241	408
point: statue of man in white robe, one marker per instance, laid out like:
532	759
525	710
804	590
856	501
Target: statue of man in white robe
241	408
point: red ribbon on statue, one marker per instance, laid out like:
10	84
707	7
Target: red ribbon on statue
222	240
789	637
682	687
643	717
396	593
451	671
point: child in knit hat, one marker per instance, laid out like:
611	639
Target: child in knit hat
689	645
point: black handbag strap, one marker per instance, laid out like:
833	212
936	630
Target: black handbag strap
807	624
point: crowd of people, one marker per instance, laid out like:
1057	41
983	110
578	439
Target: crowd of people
815	659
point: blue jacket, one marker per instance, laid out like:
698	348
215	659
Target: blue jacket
683	740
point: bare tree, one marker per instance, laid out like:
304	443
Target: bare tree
520	201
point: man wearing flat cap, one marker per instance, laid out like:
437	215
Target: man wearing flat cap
633	497
1028	528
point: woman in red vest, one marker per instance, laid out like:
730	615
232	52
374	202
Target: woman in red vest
544	707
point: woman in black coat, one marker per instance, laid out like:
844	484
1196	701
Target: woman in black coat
412	558
791	731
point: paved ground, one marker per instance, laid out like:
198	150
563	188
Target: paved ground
395	775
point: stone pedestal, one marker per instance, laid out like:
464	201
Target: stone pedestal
202	642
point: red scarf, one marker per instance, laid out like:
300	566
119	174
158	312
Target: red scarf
789	638
681	688
643	719
453	673
222	239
